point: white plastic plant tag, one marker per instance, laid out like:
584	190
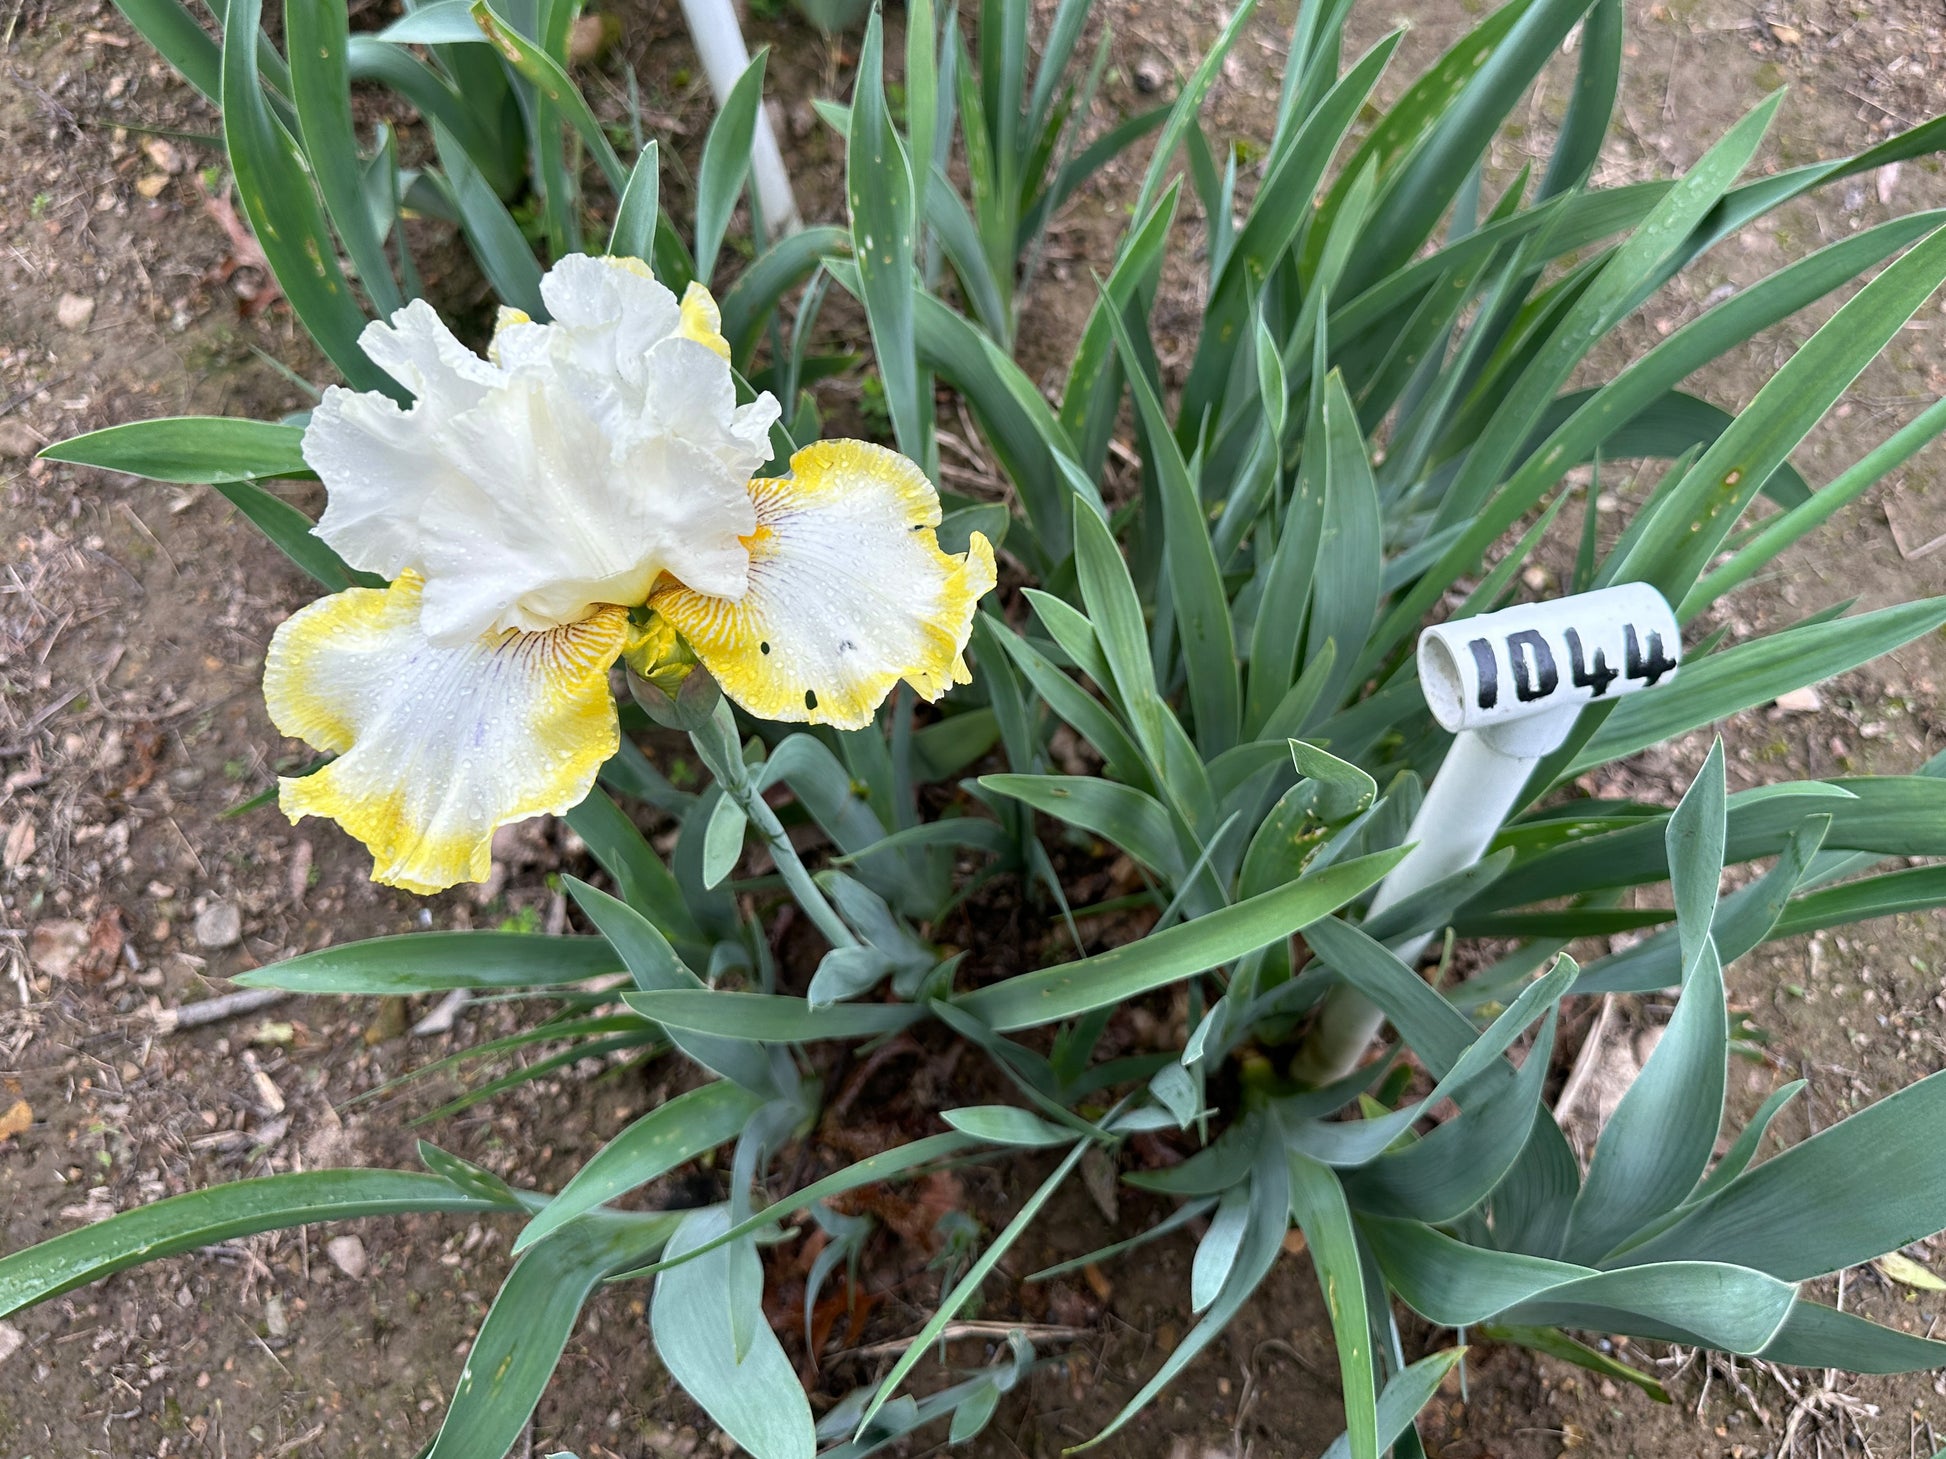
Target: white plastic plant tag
1539	657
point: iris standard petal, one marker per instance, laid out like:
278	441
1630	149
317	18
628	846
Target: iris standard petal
584	459
438	746
554	518
417	349
848	592
702	321
613	310
381	463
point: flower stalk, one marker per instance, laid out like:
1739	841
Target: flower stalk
721	751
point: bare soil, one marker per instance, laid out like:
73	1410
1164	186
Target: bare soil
133	620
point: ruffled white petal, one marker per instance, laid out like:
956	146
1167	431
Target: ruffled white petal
587	458
848	592
571	518
685	388
437	747
380	463
614	309
417	349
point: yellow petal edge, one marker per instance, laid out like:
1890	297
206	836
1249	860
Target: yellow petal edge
702	321
848	592
438	747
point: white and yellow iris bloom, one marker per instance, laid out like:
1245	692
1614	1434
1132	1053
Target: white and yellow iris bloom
523	505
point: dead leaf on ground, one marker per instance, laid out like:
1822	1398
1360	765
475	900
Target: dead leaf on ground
245	252
56	945
1907	1272
16	1119
147	742
1608	1066
106	939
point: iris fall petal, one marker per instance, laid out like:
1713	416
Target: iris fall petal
848	592
437	746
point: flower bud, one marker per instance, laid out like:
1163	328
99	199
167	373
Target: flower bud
665	677
677	698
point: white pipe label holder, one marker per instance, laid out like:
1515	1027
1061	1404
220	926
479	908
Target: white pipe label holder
1498	672
1509	686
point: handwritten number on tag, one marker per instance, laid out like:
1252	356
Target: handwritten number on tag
1536	673
1647	668
1539	680
1596	679
1489	671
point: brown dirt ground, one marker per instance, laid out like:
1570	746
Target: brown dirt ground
133	620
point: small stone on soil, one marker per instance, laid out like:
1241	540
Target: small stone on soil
270	1099
300	871
591	37
162	152
347	1254
12	1340
219	925
1800	701
74	311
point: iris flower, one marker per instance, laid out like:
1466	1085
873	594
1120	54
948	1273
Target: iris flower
582	492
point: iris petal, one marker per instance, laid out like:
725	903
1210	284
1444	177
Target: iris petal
702	321
848	592
382	464
438	746
575	465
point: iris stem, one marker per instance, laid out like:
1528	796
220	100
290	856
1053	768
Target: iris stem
718	747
